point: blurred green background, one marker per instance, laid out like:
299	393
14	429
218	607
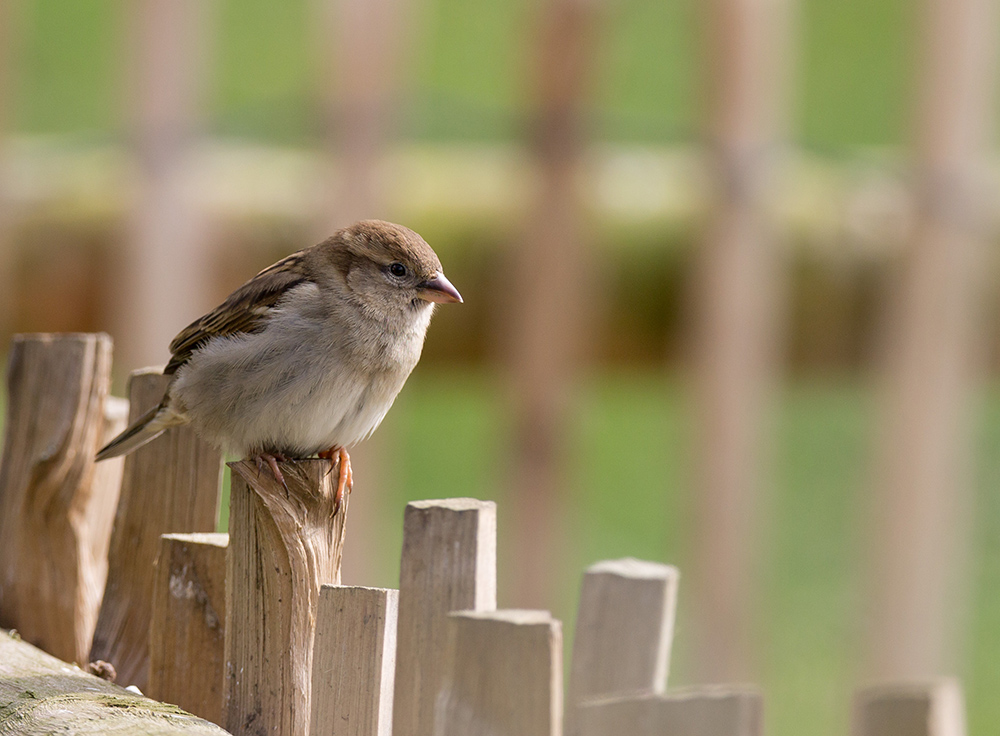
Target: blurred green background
470	61
466	84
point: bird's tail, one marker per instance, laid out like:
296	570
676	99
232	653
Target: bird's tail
144	429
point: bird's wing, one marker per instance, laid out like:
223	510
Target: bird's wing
245	311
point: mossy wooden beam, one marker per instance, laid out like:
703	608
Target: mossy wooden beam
40	694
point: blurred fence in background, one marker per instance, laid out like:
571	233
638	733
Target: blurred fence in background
735	257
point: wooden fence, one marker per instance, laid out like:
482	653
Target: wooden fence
252	631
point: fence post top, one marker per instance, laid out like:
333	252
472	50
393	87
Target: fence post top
453	504
521	616
630	567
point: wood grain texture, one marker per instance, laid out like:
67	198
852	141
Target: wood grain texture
504	676
354	661
698	711
284	543
187	630
624	629
448	564
171	485
56	504
41	695
933	708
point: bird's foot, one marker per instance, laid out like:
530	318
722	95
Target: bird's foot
271	460
345	478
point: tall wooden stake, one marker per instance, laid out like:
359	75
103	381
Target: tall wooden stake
922	515
172	484
736	308
285	542
56	504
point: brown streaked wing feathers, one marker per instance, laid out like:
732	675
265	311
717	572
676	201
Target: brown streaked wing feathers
244	311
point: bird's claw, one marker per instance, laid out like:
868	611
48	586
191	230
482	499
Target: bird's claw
271	460
345	477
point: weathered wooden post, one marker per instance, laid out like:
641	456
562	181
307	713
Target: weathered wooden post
698	711
354	661
56	504
504	675
285	542
187	627
172	484
933	708
624	629
448	564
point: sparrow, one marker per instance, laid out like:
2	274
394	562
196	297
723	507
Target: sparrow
307	356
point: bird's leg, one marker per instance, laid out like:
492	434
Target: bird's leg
345	478
271	460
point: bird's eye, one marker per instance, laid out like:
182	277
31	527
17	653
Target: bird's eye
397	269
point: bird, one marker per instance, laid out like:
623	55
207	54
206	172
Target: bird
307	356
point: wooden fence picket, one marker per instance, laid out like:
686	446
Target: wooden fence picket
699	711
187	627
624	629
354	661
934	708
504	675
171	485
448	564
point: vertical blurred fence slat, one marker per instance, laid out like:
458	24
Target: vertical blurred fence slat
549	305
361	45
736	322
164	279
923	487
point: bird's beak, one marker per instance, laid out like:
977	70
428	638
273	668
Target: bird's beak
440	290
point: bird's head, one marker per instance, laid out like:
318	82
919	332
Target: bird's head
389	268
